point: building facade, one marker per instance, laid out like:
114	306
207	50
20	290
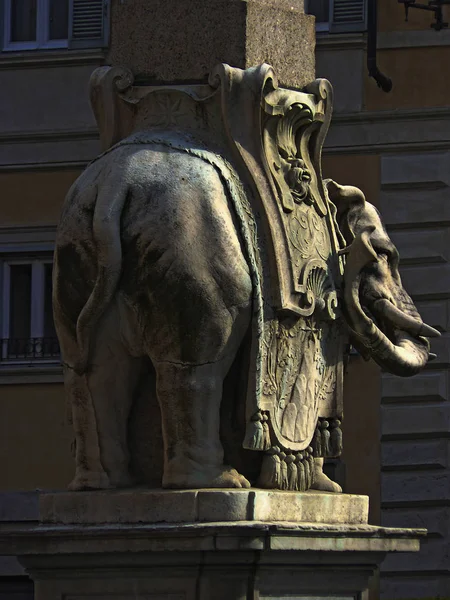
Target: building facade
395	147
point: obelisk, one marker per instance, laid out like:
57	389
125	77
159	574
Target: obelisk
181	41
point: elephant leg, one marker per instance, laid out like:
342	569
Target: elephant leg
101	404
89	471
190	397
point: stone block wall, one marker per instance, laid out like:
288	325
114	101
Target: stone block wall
415	449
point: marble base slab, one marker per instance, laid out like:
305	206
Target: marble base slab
199	506
203	561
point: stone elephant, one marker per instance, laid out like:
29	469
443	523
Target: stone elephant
150	264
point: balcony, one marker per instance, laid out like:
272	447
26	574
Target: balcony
26	350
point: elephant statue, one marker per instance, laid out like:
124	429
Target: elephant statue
162	258
149	263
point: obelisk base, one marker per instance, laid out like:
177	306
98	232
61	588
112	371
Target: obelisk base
223	559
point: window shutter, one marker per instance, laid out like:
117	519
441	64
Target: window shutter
2	24
348	15
88	23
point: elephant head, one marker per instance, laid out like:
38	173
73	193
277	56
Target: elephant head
383	321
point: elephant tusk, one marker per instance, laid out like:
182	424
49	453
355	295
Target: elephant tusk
431	356
403	321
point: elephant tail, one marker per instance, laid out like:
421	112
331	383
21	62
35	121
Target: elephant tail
111	199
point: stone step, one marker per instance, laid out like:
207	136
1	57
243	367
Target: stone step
190	506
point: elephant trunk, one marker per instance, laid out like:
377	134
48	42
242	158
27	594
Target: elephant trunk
408	353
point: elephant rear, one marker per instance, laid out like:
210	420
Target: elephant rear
156	227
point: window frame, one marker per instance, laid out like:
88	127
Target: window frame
42	30
332	27
322	26
37	306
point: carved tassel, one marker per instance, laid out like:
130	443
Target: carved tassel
292	472
307	467
317	441
325	434
266	432
270	475
310	462
336	437
254	435
284	483
301	472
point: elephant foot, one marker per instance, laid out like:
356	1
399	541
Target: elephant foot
90	480
321	481
204	477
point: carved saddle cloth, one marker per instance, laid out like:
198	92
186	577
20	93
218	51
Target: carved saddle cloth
269	159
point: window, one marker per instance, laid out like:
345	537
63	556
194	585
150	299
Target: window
50	24
338	16
28	331
321	10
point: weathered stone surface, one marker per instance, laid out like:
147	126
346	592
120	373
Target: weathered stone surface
416	453
203	561
427	280
414	188
436	312
405	587
415	486
436	519
176	41
434	555
119	507
190	506
415	449
429	169
415	420
316	507
107	539
416	246
431	386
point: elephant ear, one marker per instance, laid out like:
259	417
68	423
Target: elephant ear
349	202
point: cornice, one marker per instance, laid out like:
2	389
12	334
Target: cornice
28	239
413	39
376	132
50	58
415	114
10	234
32	136
340	41
32	374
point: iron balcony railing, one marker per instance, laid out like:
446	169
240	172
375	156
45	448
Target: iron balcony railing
20	349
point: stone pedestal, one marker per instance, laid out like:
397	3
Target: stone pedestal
203	545
178	41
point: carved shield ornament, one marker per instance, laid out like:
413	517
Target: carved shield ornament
278	135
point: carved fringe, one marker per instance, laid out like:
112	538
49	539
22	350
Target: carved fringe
257	434
327	438
301	472
336	437
292	472
287	470
270	470
254	435
311	470
266	432
284	482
